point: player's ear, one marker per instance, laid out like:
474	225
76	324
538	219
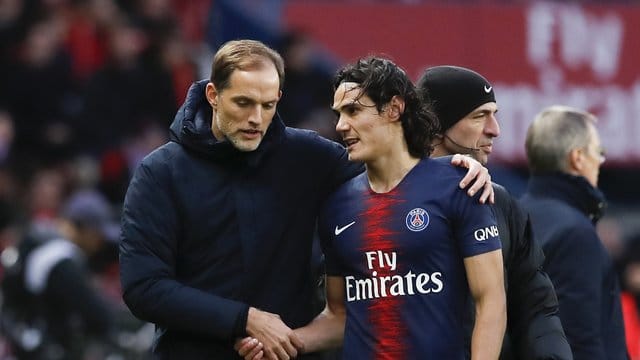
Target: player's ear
396	107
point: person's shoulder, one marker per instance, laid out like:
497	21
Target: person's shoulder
43	259
442	166
313	148
504	200
440	173
357	185
551	206
559	216
309	139
162	154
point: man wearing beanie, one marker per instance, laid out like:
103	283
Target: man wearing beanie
464	101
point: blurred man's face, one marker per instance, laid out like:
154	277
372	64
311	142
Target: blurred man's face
244	110
475	131
593	157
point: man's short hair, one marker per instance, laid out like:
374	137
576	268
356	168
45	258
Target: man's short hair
554	132
242	55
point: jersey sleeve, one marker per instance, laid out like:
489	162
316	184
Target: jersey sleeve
474	225
332	264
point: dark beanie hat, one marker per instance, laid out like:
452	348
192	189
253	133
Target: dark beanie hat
454	92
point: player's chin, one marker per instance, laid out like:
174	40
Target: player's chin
356	156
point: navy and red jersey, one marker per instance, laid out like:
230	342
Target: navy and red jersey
401	255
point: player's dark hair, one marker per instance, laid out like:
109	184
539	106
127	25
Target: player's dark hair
380	79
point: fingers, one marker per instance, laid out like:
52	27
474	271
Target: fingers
259	355
458	159
487	193
482	182
282	353
290	349
478	176
297	342
473	172
256	353
240	343
248	347
286	350
274	337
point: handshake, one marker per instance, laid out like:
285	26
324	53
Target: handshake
269	338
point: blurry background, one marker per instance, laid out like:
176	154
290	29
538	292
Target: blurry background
89	87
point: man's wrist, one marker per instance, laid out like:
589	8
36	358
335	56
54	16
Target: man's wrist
240	328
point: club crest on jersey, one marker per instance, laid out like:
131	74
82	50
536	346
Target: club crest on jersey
417	219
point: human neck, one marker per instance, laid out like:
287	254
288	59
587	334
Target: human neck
386	172
440	150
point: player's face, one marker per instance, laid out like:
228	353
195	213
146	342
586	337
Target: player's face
363	129
476	131
244	110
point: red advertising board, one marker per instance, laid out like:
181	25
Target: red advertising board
534	55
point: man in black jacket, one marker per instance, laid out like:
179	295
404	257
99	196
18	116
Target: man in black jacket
564	154
465	104
218	223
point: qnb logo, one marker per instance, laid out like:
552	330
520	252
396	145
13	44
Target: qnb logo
486	233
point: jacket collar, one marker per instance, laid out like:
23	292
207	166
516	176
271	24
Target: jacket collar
192	128
573	190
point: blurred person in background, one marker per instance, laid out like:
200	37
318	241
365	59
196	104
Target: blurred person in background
39	94
7	135
629	270
564	155
307	90
86	37
50	308
465	103
128	95
45	197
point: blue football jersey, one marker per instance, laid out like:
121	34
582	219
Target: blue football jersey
401	255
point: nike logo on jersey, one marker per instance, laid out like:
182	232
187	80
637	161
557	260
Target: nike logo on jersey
339	230
487	89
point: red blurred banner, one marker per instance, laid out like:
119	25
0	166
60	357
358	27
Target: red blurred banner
534	55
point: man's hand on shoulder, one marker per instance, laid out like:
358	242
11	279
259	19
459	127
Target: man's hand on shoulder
478	176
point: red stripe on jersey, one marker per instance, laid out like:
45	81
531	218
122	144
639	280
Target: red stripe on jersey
384	312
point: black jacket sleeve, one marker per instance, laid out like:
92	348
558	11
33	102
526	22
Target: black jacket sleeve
534	328
150	233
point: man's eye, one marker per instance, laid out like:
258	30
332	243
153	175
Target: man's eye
269	106
351	110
